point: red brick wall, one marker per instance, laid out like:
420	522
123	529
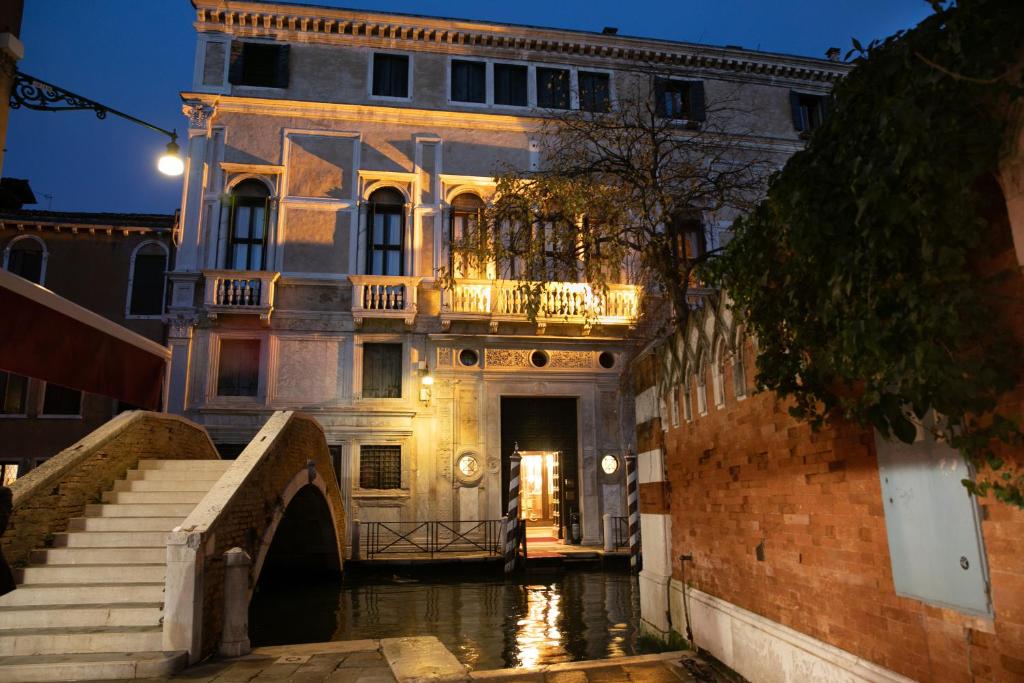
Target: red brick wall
748	473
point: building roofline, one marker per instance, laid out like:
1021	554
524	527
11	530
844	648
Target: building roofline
75	221
334	23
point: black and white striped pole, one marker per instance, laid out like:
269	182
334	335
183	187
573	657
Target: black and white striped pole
512	522
633	509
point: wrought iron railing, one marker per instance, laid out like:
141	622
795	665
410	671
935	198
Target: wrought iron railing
620	532
432	537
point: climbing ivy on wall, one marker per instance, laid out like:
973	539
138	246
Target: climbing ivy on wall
865	275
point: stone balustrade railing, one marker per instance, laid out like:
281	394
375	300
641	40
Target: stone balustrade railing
239	291
383	296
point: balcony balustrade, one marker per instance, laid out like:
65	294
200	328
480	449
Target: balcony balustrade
239	291
383	296
568	302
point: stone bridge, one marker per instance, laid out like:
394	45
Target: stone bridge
137	550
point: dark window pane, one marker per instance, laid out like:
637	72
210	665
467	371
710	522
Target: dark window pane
382	370
594	92
380	467
58	400
386	238
26	260
391	75
260	65
469	81
673	99
239	369
510	84
148	285
248	229
12	393
553	88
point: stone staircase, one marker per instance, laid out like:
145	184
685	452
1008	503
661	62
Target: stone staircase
97	594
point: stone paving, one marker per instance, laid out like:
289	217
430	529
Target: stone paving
409	660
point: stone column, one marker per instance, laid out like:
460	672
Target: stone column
188	258
234	641
179	339
11	50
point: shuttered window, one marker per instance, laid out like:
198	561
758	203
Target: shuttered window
390	75
259	64
553	88
682	100
382	371
469	81
12	393
147	286
595	94
25	258
510	84
238	372
808	110
380	467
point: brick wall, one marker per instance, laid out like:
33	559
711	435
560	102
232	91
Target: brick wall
59	489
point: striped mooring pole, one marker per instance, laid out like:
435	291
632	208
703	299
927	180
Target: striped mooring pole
633	508
512	527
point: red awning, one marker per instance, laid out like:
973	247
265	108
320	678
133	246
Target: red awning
45	336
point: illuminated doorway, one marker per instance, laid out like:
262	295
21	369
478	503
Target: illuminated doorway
538	490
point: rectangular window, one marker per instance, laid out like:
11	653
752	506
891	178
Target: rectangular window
808	110
382	371
510	84
263	65
595	93
390	75
380	467
469	81
552	88
13	389
386	237
58	400
238	370
148	285
682	100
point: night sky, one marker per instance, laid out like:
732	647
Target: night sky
137	55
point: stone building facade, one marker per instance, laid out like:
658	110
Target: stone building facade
332	154
112	264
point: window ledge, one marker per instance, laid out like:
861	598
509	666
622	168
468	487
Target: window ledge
59	417
381	493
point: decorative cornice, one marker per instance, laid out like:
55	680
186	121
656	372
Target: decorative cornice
328	25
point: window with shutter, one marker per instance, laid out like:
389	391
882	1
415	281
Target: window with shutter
595	93
553	88
390	75
25	257
510	84
147	281
262	65
681	100
385	222
469	81
238	368
13	389
808	110
382	371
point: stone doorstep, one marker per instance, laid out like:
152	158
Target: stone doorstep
424	658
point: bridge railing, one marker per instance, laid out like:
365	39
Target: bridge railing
620	532
431	537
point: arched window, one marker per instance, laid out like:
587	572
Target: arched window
26	256
739	371
718	375
146	278
385	220
466	212
247	233
702	389
687	401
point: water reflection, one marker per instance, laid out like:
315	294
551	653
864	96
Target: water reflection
486	623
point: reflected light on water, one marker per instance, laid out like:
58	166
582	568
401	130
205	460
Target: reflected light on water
537	634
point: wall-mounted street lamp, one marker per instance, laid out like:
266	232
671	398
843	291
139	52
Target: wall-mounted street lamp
32	93
426	385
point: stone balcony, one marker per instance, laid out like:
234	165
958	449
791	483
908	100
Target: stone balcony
239	291
383	296
496	301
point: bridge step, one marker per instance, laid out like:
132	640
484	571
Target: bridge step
90	573
84	594
91	556
150	484
139	510
164	524
111	539
145	497
90	667
206	476
185	465
47	641
68	616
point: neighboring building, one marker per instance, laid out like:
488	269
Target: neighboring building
112	264
332	155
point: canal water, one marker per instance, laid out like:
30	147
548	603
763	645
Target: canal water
487	622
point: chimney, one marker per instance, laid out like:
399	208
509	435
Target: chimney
610	30
833	54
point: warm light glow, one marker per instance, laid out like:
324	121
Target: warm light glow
170	163
428	380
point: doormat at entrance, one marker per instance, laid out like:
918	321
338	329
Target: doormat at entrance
541	539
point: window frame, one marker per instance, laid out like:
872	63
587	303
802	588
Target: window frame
568	86
531	89
58	416
409	76
43	259
451	76
371	215
453	215
401	467
695	113
358	342
280	45
802	122
131	282
234	203
213	380
24	395
579	89
401	370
